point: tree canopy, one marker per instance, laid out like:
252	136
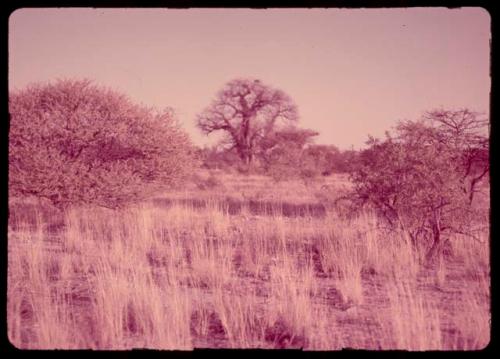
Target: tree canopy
423	179
75	142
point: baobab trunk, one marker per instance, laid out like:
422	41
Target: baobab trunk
436	244
245	156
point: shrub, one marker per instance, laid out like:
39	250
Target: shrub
321	159
74	142
283	156
284	164
216	158
211	182
421	180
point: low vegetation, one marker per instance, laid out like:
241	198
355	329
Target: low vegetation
249	267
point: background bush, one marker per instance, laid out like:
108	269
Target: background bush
213	158
74	142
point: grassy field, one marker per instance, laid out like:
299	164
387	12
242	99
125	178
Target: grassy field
238	262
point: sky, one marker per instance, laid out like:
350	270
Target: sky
351	72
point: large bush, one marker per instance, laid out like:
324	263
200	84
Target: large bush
74	142
423	179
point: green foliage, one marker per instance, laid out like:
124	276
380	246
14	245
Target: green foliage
74	142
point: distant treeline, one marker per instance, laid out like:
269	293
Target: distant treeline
311	160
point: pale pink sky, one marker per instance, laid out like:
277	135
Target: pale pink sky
352	72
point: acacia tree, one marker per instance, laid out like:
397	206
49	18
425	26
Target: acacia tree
423	179
466	133
73	142
246	111
322	159
283	153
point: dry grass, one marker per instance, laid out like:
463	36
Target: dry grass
211	268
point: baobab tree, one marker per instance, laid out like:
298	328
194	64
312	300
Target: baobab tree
246	111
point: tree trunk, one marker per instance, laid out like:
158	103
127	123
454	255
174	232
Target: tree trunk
245	155
247	159
436	248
